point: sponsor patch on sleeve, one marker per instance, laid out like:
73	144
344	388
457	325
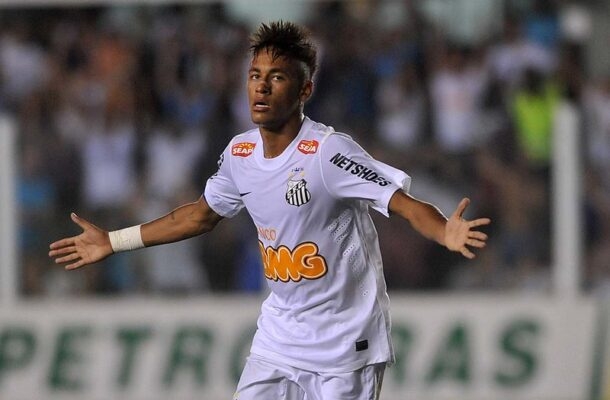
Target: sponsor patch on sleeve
242	149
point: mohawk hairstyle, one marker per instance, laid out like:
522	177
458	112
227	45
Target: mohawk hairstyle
285	39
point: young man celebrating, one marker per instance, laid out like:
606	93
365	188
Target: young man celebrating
324	330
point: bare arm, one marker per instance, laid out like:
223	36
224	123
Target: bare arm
93	244
455	233
184	222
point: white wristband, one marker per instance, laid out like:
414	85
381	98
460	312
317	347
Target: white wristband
126	239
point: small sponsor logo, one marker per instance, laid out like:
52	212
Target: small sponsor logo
308	146
269	234
243	149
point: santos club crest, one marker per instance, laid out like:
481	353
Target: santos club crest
296	192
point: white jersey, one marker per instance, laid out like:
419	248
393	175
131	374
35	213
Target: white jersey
328	310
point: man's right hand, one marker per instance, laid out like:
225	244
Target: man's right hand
91	246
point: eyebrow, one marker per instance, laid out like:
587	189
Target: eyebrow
271	71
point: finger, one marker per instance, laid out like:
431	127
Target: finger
479	222
61	251
62	243
78	220
477	235
475	243
467	253
75	265
459	211
68	258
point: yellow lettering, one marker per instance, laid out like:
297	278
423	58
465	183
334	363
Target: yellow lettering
312	265
292	265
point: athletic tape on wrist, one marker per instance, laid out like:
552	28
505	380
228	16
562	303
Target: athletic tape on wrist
126	239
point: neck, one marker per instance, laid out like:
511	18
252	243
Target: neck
275	140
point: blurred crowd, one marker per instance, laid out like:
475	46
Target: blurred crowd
122	113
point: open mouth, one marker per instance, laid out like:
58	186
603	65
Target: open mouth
260	106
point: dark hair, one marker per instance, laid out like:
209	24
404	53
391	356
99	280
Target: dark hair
285	39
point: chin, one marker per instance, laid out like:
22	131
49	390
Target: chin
263	122
257	118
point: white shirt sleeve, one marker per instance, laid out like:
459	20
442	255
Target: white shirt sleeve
220	192
350	172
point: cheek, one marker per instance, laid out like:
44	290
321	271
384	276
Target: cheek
292	95
250	88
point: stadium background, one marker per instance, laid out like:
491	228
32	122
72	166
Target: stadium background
119	110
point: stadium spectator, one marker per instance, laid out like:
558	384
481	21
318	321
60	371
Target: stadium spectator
172	152
514	52
110	184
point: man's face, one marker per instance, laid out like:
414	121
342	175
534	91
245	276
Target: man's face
275	90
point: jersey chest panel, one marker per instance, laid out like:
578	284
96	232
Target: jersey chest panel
287	197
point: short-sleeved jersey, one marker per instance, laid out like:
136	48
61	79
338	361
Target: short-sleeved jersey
328	310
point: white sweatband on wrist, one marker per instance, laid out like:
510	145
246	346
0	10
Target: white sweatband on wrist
126	239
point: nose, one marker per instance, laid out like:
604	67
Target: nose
262	87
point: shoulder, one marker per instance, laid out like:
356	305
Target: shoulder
326	136
243	144
251	135
338	142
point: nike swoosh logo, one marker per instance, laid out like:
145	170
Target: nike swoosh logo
244	194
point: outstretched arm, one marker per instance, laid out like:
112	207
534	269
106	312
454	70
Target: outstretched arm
455	233
94	244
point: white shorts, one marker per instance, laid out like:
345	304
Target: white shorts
265	379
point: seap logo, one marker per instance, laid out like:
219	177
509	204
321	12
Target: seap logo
242	149
308	146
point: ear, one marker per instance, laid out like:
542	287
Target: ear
306	91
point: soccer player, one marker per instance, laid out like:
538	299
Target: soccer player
324	330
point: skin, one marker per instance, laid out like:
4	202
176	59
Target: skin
276	94
277	90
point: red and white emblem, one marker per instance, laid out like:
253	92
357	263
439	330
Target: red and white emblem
308	146
243	149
